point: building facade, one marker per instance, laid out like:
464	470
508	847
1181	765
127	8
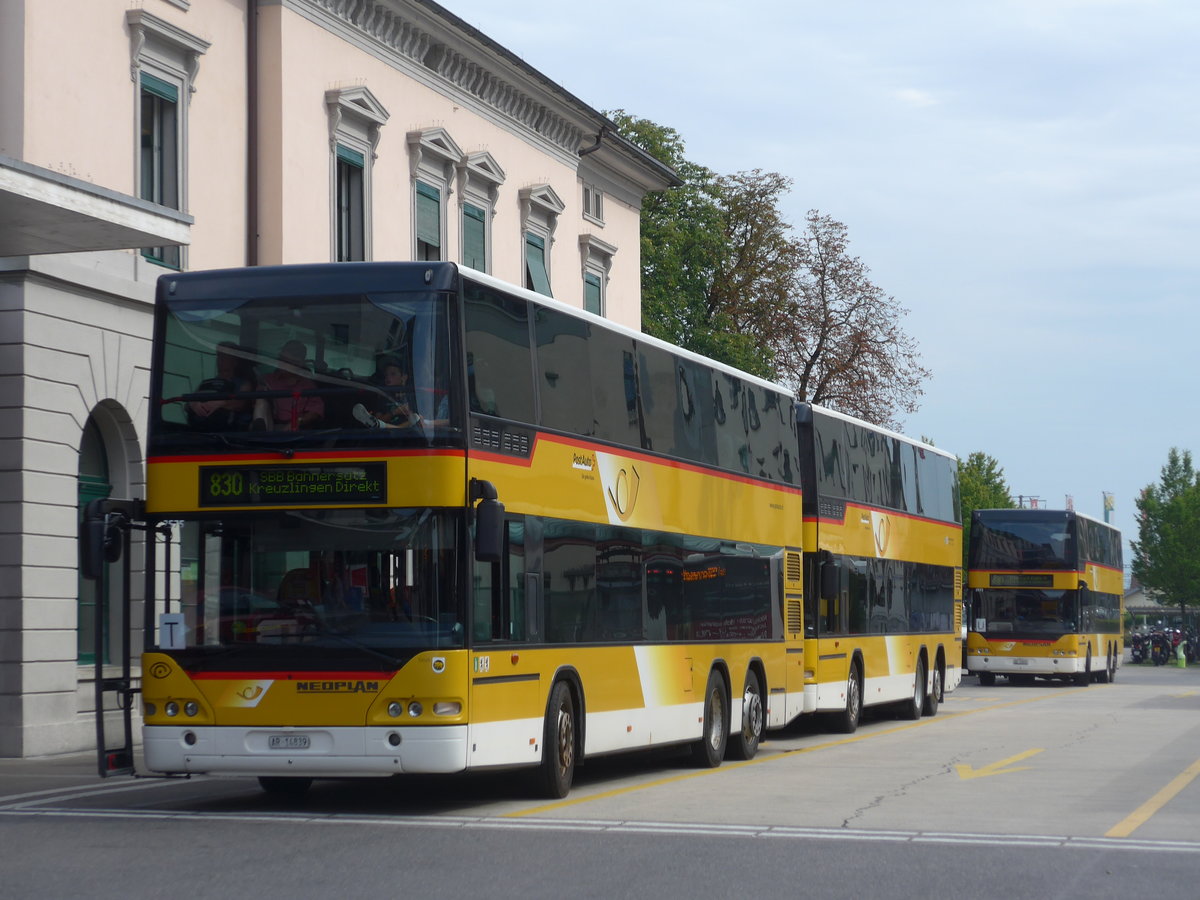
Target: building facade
139	137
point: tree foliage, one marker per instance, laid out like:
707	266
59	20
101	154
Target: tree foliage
724	274
845	346
1166	555
981	485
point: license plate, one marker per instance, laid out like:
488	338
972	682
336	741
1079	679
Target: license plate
287	742
1020	662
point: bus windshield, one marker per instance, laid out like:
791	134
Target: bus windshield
367	585
303	370
1022	542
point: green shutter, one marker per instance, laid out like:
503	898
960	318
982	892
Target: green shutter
591	293
474	237
353	157
160	88
429	215
535	264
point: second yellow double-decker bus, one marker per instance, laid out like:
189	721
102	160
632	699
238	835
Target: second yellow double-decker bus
1047	596
406	518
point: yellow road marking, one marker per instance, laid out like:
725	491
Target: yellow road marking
758	760
1142	814
996	768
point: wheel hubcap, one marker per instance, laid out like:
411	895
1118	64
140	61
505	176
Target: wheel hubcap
752	715
566	740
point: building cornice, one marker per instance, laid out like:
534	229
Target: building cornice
436	48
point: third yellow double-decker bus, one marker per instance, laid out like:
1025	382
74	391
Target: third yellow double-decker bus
1047	596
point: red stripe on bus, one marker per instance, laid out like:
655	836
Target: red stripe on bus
210	675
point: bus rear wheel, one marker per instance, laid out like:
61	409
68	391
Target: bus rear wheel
935	695
987	679
557	770
708	752
911	708
744	744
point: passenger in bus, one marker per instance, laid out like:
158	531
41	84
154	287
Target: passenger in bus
395	404
235	375
396	407
297	410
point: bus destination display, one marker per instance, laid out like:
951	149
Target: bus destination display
293	485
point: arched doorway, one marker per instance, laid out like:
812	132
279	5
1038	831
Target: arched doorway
94	484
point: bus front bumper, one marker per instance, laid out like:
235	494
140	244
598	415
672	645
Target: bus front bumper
1026	665
304	752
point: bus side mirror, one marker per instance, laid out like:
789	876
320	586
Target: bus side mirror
829	576
489	522
100	540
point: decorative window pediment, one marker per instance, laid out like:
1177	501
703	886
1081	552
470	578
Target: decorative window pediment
168	45
433	153
355	111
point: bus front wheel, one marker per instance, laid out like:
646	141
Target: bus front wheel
846	721
557	769
708	752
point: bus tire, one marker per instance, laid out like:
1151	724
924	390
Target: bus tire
708	752
1085	677
557	769
1102	677
935	696
744	743
285	785
846	722
911	708
1112	666
987	679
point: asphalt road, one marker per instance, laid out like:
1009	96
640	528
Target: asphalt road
1010	791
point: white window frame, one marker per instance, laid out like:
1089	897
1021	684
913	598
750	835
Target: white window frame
172	55
432	158
596	257
479	180
592	199
355	119
540	209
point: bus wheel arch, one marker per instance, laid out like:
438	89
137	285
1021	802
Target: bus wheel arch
709	750
744	740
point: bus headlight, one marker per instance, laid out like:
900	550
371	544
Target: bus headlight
447	708
395	709
191	708
172	708
415	708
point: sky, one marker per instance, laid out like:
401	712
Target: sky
1023	176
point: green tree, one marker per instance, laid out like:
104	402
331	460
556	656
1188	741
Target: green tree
683	248
1166	555
981	485
724	274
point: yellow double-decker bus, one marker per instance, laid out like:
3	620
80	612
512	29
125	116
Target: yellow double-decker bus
882	540
402	517
1047	596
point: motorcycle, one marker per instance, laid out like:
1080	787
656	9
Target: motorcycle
1139	648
